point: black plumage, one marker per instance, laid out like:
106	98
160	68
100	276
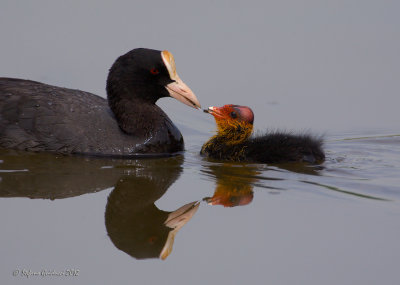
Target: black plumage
234	140
274	147
39	117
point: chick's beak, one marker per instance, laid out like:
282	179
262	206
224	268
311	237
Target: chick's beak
215	111
178	89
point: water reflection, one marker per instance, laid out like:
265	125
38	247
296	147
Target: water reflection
134	223
234	184
48	176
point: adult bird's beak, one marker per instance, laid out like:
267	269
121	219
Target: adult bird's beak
181	92
178	89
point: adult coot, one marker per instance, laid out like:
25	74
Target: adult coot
233	142
39	117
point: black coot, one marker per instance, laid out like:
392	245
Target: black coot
39	117
233	141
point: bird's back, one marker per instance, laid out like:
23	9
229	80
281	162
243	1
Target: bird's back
39	117
276	147
284	147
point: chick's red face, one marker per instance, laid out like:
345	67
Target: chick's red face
234	123
232	113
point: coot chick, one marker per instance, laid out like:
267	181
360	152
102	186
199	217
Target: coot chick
233	141
39	117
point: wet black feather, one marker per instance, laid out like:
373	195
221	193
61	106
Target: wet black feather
270	147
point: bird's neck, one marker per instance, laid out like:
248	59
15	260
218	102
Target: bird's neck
135	116
233	135
229	140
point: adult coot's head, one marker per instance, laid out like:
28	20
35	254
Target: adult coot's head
146	75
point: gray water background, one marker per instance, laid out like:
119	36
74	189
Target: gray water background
331	68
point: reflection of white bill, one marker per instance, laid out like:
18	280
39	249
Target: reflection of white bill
175	221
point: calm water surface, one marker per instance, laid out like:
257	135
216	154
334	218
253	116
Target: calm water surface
328	67
110	220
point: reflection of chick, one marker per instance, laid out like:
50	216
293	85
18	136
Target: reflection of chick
233	141
234	185
231	195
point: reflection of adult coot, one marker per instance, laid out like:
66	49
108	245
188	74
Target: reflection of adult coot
134	224
47	176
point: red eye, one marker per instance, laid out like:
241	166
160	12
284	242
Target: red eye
152	239
154	71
